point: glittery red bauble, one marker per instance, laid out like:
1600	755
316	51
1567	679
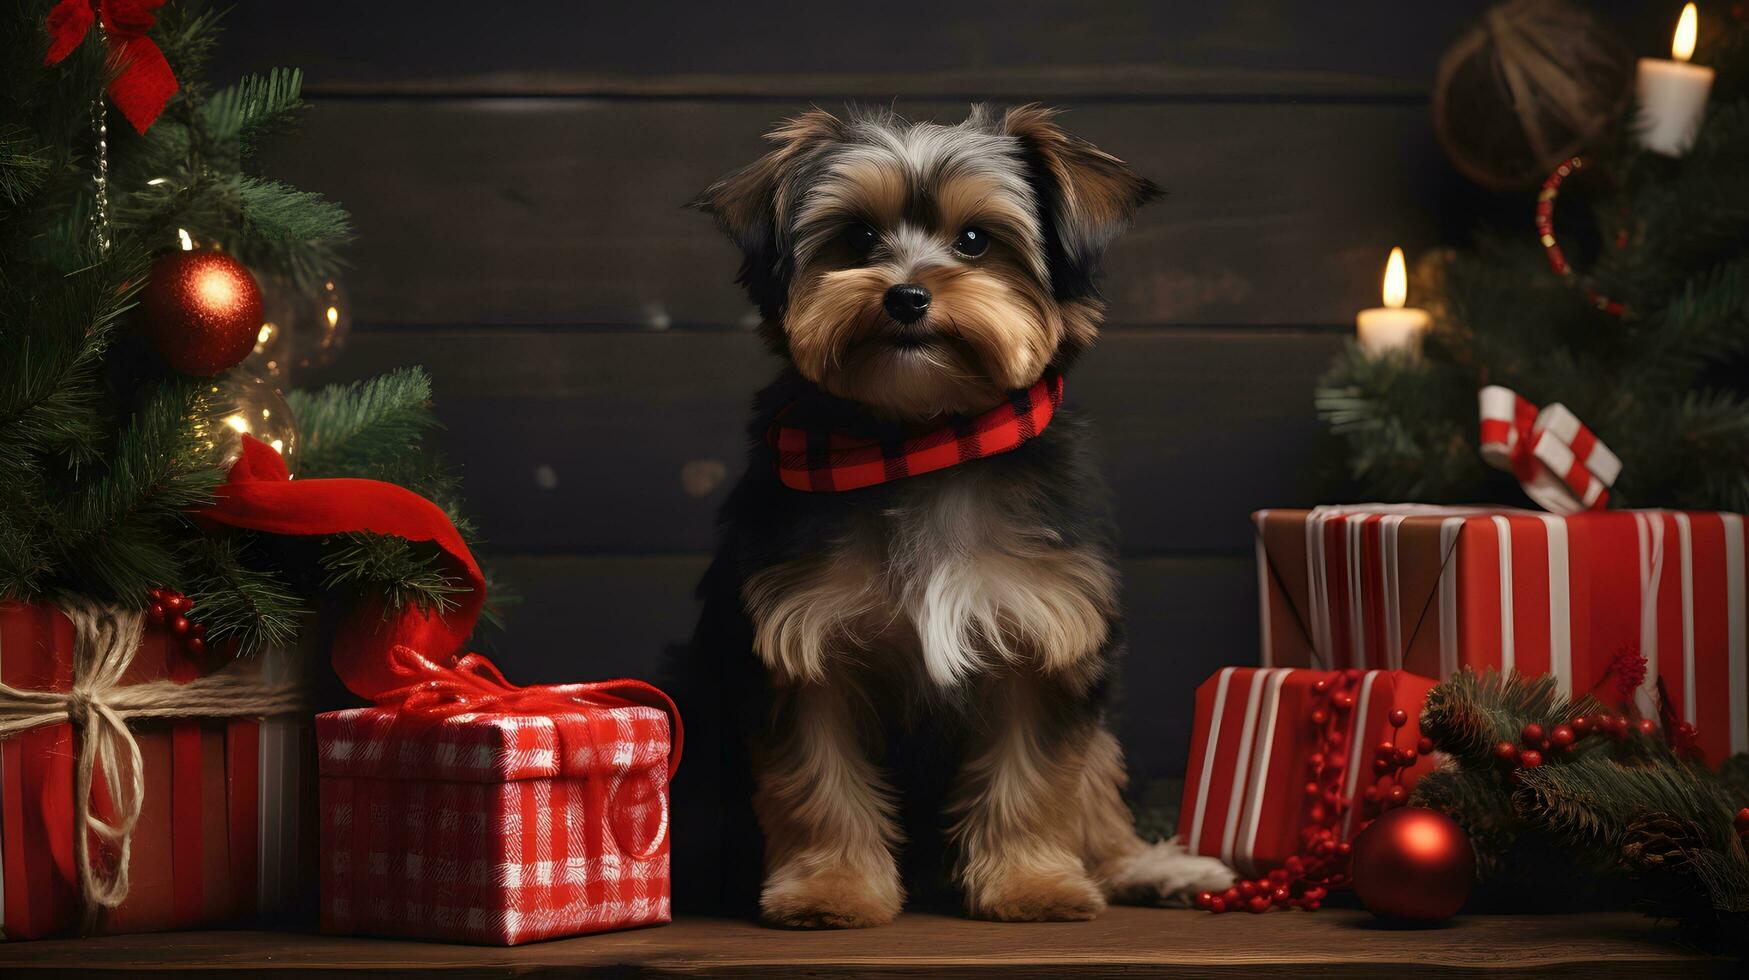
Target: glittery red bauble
1413	865
201	311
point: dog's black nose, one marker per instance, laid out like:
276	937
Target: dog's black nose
907	302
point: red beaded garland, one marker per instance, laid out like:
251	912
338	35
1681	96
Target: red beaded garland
1545	230
1304	879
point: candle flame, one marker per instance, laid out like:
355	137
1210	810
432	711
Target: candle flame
1396	289
1682	45
183	237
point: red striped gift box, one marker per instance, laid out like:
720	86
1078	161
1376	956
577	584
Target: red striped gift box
227	825
1435	589
1250	754
496	828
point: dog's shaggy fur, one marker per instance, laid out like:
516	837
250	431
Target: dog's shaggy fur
966	618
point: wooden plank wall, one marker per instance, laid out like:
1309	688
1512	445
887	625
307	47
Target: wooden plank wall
517	174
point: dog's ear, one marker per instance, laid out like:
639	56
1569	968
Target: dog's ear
747	204
1087	195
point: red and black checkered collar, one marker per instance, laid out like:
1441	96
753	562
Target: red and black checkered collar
826	460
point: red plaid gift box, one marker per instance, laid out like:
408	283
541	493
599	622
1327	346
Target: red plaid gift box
1250	755
1436	589
226	825
494	827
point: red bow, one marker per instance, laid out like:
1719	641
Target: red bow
412	661
474	684
143	82
1561	464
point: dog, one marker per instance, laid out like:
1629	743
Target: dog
921	541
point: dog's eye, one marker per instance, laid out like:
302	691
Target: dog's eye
859	237
972	242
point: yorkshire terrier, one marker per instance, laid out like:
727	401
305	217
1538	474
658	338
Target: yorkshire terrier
921	540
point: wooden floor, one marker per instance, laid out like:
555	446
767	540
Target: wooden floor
1125	942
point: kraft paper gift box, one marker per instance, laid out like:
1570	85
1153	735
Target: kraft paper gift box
1436	589
226	829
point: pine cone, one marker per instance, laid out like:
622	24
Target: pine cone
1660	842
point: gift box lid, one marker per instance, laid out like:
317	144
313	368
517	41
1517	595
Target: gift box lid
493	747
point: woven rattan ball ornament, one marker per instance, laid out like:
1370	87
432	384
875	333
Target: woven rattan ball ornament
1528	86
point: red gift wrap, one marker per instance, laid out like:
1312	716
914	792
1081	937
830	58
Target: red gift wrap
227	821
501	825
1436	589
1244	789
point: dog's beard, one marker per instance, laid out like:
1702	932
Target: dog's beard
988	331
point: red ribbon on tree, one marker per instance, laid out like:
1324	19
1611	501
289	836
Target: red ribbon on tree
412	661
143	80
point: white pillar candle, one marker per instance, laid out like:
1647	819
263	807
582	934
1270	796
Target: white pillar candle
1673	93
1392	327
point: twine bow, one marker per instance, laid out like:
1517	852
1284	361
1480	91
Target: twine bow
100	707
1561	464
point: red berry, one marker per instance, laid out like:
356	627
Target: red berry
1203	899
1320	686
1385	750
1218	904
1506	752
1424	745
1561	738
1316	761
1312	789
1342	850
1405	757
1231	896
1399	717
1247	889
1320	716
1296	865
1278	876
1317	814
197	630
1530	758
194	645
1334	741
179	625
1280	896
1343	701
1381	766
156	593
155	614
1648	727
1258	904
1742	819
1353	674
1370	794
1532	734
1581	725
1398	795
1335	764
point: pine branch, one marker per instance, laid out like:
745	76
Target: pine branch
240	604
366	428
404	573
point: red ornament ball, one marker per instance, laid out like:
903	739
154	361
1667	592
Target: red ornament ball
201	311
1413	865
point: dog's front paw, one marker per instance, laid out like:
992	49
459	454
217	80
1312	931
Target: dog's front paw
831	899
1163	873
1031	897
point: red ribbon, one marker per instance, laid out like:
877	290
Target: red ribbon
143	79
412	661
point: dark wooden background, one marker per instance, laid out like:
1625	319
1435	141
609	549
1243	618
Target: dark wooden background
517	171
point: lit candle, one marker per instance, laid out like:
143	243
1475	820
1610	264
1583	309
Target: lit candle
1673	93
1392	327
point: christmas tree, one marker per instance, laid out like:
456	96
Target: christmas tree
1631	307
133	235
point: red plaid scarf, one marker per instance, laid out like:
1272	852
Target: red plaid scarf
827	460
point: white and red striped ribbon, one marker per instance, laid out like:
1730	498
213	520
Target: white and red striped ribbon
1561	464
